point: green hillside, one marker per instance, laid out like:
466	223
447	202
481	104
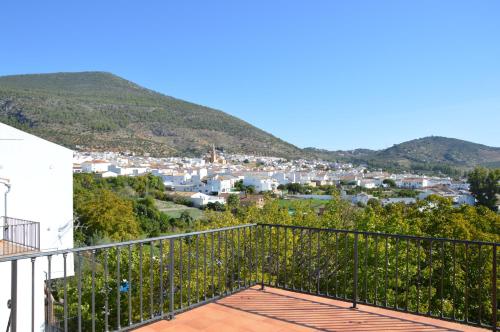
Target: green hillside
434	153
97	110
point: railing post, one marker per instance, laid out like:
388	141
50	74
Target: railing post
355	288
262	257
494	288
171	278
13	297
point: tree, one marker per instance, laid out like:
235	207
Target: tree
233	201
239	185
250	189
390	182
484	186
215	206
108	215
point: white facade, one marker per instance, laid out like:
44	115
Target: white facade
200	199
467	199
95	166
41	178
217	185
122	170
109	174
413	183
261	183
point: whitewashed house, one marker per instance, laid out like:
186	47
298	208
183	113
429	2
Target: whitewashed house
37	184
109	174
361	198
464	198
95	166
413	183
126	170
261	183
217	184
200	199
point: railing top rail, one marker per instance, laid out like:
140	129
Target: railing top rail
17	220
21	224
412	237
120	244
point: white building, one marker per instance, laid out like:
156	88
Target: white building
200	199
95	166
40	176
125	170
217	184
413	183
361	198
261	183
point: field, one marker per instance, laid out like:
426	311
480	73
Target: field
175	210
316	204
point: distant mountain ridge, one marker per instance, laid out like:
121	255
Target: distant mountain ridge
98	110
433	153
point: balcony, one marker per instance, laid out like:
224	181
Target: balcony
19	236
312	279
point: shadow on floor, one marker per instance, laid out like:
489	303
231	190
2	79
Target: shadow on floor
317	315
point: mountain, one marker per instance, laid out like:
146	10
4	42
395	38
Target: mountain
98	110
433	153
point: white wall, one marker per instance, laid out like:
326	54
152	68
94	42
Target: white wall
40	174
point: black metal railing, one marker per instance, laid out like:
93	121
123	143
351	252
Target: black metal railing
448	279
19	236
120	286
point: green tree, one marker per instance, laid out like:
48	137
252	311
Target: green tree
484	186
233	201
390	182
250	189
108	215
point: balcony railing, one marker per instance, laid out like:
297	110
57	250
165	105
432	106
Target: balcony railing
19	236
121	286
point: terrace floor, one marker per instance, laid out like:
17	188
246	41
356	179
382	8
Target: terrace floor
9	248
284	311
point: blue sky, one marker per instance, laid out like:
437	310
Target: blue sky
329	74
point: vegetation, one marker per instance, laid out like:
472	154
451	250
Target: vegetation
485	186
121	208
239	186
390	182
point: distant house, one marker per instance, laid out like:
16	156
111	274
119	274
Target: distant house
95	166
108	174
464	198
261	183
361	198
217	184
200	199
368	183
394	200
77	168
413	183
125	170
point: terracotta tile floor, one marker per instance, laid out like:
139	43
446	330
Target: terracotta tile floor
280	311
9	248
